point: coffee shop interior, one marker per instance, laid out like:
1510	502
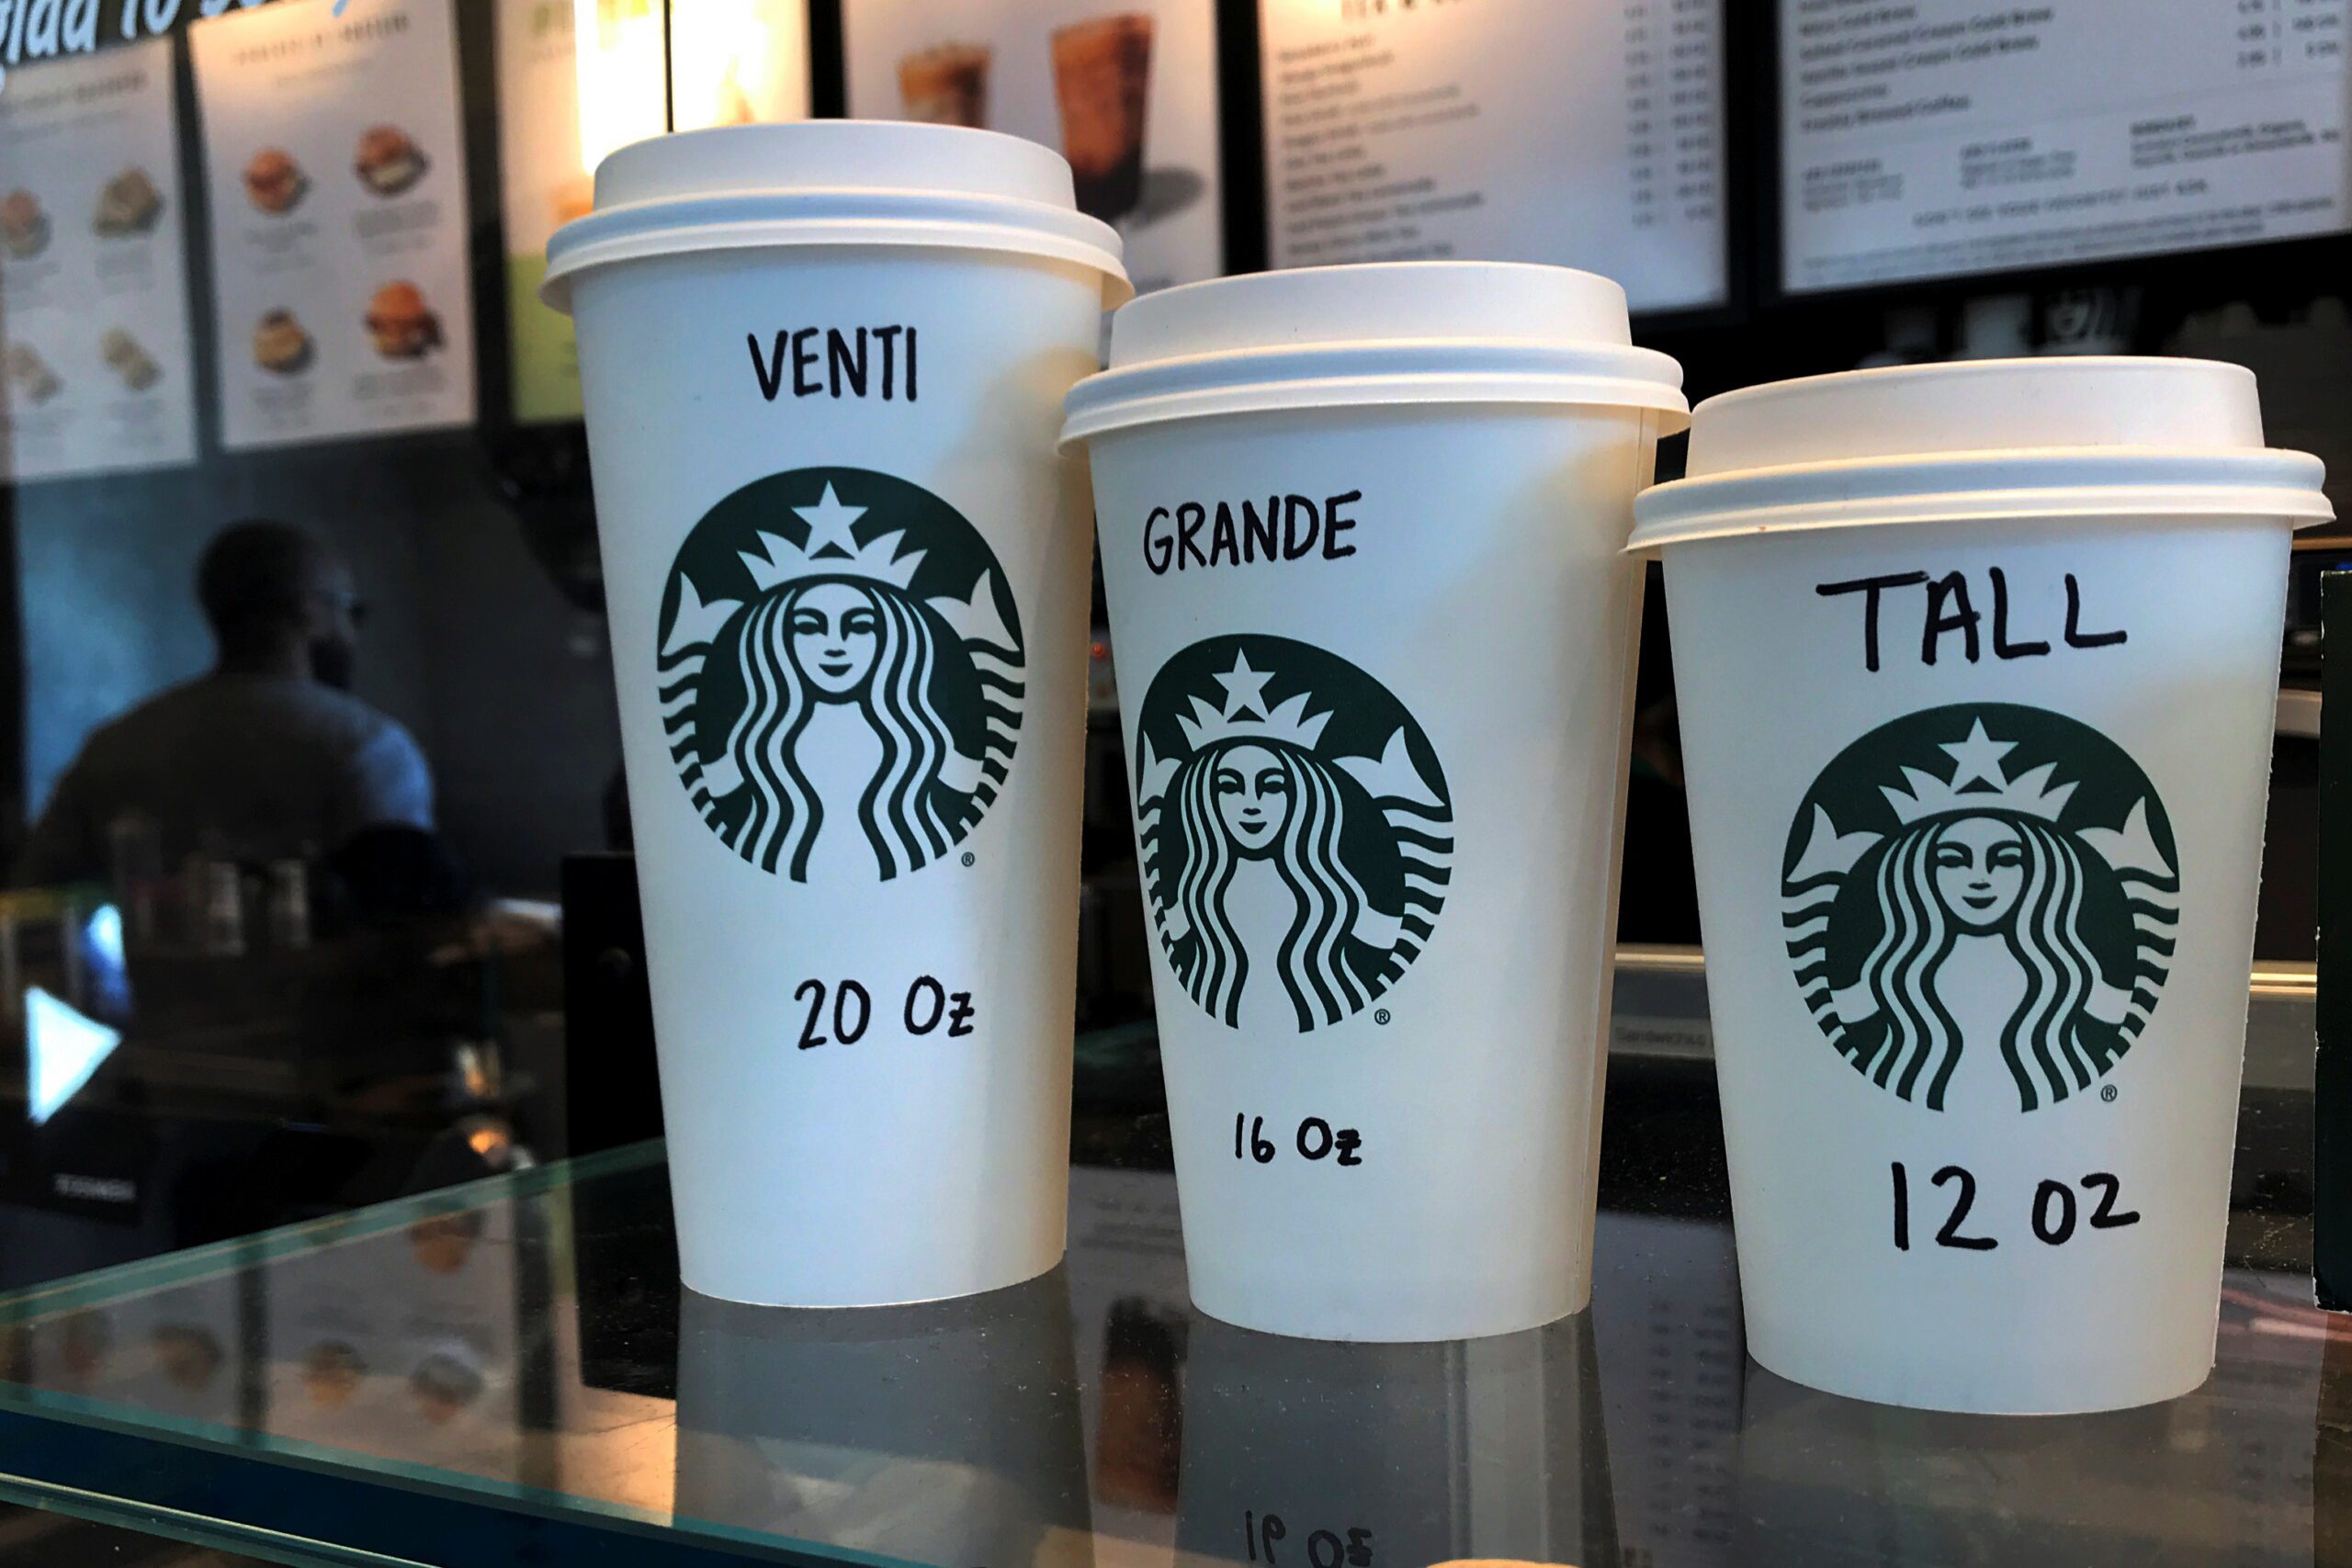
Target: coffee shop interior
334	1212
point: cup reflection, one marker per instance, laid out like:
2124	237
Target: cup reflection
945	1432
2218	1476
1304	1454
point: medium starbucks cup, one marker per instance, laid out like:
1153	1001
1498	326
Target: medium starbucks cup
847	576
1363	532
1976	667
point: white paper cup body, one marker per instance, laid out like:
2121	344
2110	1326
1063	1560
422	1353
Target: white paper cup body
1834	890
920	1150
1456	812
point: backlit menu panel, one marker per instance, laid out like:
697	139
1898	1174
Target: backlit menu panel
1941	138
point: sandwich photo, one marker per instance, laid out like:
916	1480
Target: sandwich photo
280	345
125	357
389	162
30	374
128	203
273	180
400	324
24	227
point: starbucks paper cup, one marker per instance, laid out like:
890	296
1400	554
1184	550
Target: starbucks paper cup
1976	667
1361	530
847	577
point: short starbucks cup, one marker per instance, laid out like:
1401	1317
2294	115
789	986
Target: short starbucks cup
1361	530
847	577
1977	666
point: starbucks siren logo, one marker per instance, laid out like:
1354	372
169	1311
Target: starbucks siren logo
1297	833
841	674
1979	879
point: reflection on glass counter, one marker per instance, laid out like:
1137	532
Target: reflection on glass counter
514	1367
1327	1454
945	1432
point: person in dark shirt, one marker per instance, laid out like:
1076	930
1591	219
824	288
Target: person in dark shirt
267	756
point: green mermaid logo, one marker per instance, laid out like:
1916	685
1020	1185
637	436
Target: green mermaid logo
1977	883
841	674
1297	833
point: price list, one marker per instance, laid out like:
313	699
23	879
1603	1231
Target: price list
1586	134
2280	33
1943	137
1673	113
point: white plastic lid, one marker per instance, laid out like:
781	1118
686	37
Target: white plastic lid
833	182
1982	439
1388	333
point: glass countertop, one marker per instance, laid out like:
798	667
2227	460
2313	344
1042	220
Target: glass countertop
509	1371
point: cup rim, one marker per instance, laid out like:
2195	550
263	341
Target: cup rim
2093	482
726	216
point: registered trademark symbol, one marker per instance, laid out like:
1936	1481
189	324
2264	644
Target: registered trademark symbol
1380	1015
2107	1093
971	858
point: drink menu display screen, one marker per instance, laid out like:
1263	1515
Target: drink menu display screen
1941	138
1580	132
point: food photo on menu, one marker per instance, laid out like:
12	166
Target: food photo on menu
24	227
274	183
128	203
281	345
29	375
400	324
127	358
390	162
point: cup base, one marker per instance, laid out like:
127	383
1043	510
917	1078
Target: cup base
718	1290
1369	1328
1926	1386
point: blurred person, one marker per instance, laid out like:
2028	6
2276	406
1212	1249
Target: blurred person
267	756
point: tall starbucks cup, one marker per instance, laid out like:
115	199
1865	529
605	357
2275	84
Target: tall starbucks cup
1977	666
1362	531
847	576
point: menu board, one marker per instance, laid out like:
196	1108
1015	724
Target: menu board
1942	138
738	62
542	185
1587	133
1125	91
95	363
336	171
